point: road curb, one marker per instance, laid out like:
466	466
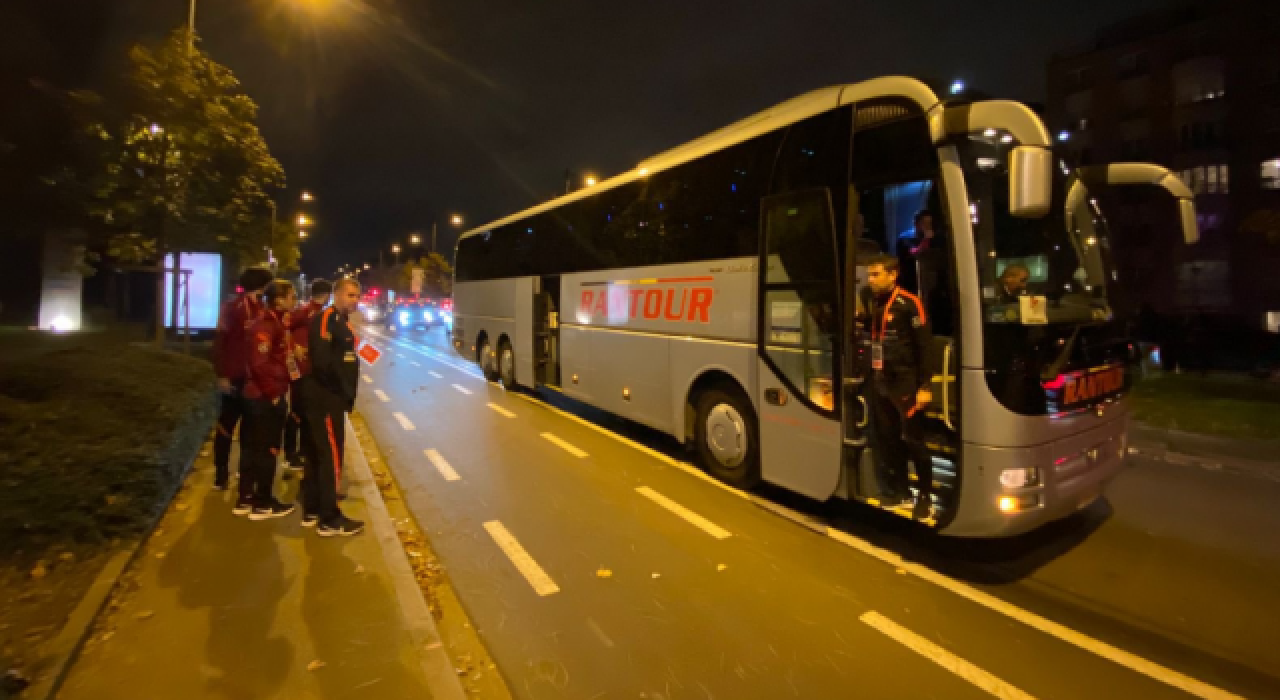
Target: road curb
66	646
442	677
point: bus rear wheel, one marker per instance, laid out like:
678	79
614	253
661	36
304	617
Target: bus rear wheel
506	366
726	436
486	361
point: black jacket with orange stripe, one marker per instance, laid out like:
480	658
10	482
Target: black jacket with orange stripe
332	349
907	341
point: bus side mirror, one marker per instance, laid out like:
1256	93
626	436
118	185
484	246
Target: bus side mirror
1030	182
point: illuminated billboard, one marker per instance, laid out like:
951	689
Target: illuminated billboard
205	290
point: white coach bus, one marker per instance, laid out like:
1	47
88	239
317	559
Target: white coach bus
710	293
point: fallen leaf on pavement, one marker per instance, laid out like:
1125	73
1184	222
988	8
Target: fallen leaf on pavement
67	556
657	575
160	555
181	507
39	572
360	569
900	571
604	573
721	567
315	665
145	615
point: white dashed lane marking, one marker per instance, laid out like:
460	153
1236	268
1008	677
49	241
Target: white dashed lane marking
435	374
445	469
461	388
501	411
693	518
541	582
943	658
404	421
367	379
382	396
563	445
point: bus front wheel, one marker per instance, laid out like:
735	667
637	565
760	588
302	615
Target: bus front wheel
726	436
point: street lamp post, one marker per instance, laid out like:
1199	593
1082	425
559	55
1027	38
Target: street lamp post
455	219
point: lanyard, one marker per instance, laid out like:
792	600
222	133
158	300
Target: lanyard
884	317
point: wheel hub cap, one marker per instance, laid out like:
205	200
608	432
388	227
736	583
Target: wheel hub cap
726	435
507	364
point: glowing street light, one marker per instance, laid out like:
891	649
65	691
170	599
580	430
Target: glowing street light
303	220
957	87
590	180
395	248
415	239
456	220
302	235
307	196
156	130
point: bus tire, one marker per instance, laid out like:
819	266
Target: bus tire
726	437
486	360
506	365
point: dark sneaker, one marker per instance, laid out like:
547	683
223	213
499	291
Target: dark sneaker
275	509
243	506
341	526
310	519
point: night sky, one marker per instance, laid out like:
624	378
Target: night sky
395	113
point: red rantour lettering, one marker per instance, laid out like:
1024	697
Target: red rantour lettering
652	303
679	313
700	307
587	297
635	295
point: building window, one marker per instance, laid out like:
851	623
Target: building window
1207	179
1134	63
1269	174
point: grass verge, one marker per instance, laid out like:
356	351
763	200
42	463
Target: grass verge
1231	407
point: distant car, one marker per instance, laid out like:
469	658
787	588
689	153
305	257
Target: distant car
372	311
417	314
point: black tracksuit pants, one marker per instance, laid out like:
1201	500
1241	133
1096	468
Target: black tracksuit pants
259	446
294	450
895	438
230	411
325	416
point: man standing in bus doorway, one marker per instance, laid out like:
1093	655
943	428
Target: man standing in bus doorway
921	241
900	381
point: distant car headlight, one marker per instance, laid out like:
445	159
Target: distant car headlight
427	315
446	316
371	314
404	317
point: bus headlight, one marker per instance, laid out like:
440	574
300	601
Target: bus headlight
427	315
1019	478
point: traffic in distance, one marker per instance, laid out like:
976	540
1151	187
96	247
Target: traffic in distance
714	293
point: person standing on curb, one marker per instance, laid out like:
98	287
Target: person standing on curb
331	394
271	368
299	324
231	363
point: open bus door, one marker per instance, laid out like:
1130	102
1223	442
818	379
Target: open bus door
798	344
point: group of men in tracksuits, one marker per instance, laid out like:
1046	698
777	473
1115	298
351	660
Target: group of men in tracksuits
277	363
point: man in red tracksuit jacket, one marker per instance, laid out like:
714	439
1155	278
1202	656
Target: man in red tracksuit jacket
231	363
271	369
299	325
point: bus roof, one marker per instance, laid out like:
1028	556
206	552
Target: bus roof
778	116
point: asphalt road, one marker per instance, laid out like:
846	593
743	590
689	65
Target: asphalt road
597	564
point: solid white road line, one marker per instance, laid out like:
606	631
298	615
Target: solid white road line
541	582
682	466
693	518
944	658
404	422
502	411
381	395
1083	641
563	445
367	379
461	388
415	363
460	365
435	374
441	465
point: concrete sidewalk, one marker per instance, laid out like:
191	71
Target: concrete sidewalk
218	606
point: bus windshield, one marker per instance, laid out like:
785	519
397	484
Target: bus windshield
1047	288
